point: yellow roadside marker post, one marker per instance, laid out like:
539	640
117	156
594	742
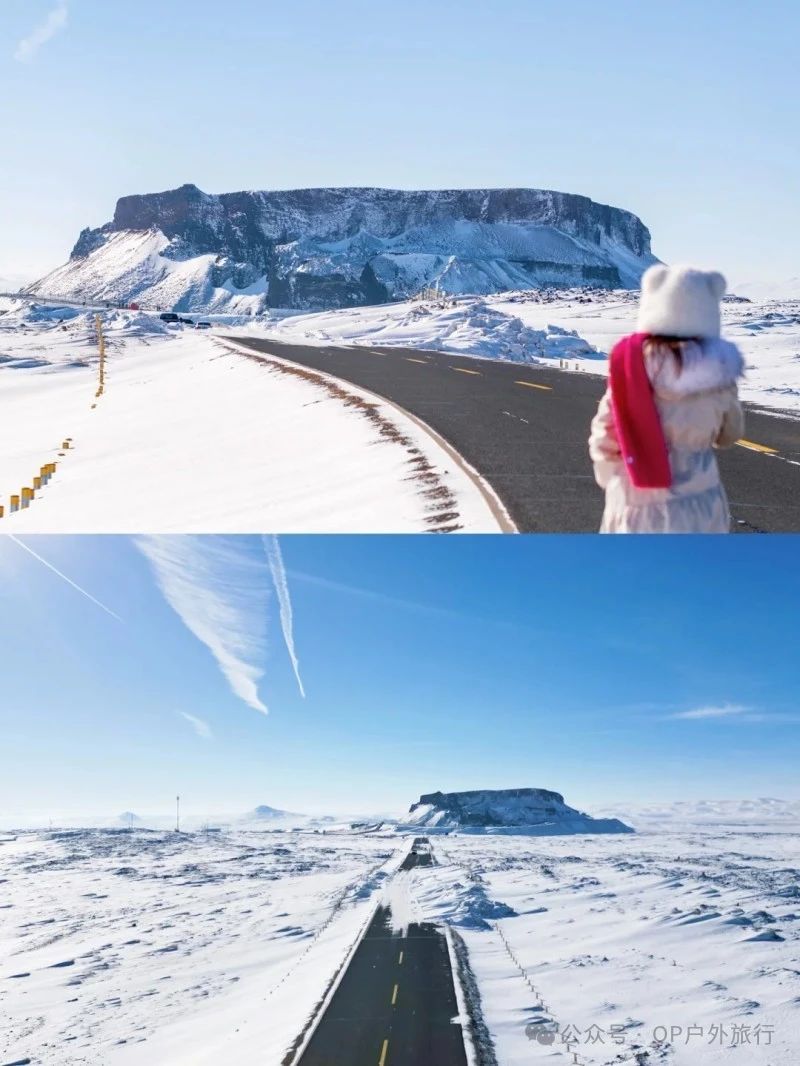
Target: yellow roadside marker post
101	344
13	504
27	496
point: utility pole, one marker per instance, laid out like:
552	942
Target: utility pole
177	814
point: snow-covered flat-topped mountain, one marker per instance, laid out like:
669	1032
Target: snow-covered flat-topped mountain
317	249
536	811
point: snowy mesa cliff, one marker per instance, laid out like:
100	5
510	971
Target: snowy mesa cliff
318	249
536	811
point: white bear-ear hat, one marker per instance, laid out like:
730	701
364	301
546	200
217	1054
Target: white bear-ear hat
681	301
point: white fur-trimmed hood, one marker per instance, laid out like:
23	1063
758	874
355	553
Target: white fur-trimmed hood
706	365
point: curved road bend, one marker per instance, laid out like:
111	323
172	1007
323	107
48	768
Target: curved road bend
396	1002
525	429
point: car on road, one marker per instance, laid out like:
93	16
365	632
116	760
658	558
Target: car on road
169	316
203	325
186	321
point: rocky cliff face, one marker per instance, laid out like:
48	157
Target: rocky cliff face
531	810
324	248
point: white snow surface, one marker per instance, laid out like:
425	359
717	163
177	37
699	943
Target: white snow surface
190	436
188	949
141	947
574	330
677	928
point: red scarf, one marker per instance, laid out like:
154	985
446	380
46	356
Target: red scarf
639	431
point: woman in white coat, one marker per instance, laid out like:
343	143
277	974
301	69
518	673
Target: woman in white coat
689	393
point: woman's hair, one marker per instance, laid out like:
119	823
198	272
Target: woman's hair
665	346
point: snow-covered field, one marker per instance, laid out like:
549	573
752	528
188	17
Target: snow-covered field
574	328
192	436
682	944
155	948
148	947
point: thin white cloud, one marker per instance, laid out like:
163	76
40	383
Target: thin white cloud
278	572
722	710
53	23
220	591
69	581
393	602
203	729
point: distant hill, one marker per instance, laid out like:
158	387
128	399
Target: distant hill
264	815
129	818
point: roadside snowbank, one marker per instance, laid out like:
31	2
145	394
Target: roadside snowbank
575	329
471	325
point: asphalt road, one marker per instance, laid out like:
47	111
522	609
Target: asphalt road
525	429
396	1001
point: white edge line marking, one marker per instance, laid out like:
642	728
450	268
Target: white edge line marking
496	506
463	1013
323	1007
315	1022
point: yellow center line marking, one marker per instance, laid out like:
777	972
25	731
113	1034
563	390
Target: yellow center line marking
461	370
409	360
384	1049
757	447
394	995
533	385
400	960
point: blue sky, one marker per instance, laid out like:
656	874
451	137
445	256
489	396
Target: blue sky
683	113
610	669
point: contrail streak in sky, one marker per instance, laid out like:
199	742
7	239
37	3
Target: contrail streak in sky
278	571
63	577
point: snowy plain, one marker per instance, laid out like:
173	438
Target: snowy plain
192	435
153	947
